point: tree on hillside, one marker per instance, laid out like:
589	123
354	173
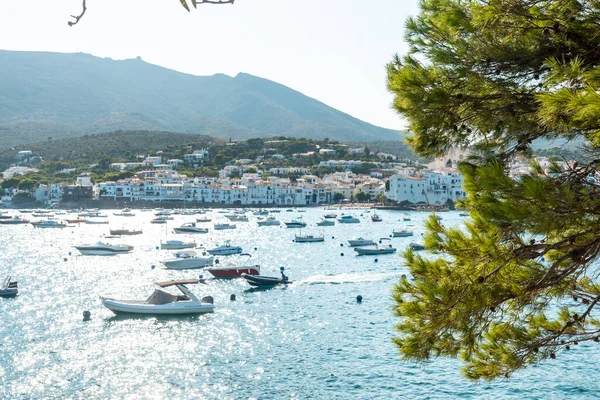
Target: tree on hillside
76	18
362	196
517	285
338	196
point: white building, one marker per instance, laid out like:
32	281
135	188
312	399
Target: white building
196	157
431	187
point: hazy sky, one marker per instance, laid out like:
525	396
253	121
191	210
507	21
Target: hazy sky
332	50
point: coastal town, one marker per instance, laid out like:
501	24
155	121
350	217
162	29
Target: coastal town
400	183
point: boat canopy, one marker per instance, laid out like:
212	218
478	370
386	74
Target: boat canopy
161	297
176	282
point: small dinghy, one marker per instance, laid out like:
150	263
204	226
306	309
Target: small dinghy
9	288
164	303
266	281
235	271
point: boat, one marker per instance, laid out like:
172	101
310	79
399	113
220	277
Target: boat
295	224
49	223
348	219
269	221
125	232
376	218
376	250
261	212
309	239
96	221
237	217
406	217
103	249
402	233
275	211
158	221
203	219
164	303
190	227
9	288
360	242
417	246
126	212
325	222
187	260
220	227
266	281
225	250
463	214
234	271
177	245
14	221
330	216
75	221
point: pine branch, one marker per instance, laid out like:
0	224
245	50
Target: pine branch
78	17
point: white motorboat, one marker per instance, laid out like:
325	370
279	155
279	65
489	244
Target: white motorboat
309	239
164	303
402	233
261	212
375	250
9	288
348	219
177	245
187	260
269	221
330	216
126	212
49	223
295	224
96	221
158	221
220	227
190	227
225	250
237	217
326	222
360	242
124	231
417	246
203	219
103	249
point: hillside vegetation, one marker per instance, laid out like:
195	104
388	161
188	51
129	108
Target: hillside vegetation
65	95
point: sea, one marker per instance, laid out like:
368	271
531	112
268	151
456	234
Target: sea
309	340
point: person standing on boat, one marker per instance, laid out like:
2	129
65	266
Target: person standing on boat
283	277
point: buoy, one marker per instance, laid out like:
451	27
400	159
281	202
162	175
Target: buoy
333	237
342	254
293	240
376	260
217	261
380	242
341	244
256	248
154	266
156	247
87	315
69	253
65	259
282	268
232	297
390	235
359	299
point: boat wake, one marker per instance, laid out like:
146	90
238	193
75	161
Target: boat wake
348	278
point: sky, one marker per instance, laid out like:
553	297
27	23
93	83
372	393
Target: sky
332	50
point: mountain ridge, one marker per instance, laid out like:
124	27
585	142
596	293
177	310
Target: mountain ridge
45	94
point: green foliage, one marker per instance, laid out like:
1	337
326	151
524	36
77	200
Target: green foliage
337	196
515	286
362	196
363	169
10	183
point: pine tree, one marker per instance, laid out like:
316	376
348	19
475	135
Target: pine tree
518	285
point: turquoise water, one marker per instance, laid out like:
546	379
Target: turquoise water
310	340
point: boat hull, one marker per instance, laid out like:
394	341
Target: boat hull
225	252
373	252
188	263
190	230
227	273
309	240
101	252
264	281
356	243
177	246
121	308
403	234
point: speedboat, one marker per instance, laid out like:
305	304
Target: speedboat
125	232
376	250
269	221
158	221
261	212
220	227
14	221
187	260
376	218
330	216
164	303
348	219
266	281
190	227
309	239
402	233
235	271
96	221
225	250
126	212
9	288
325	222
177	245
237	217
295	224
49	223
75	221
203	220
103	249
360	242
